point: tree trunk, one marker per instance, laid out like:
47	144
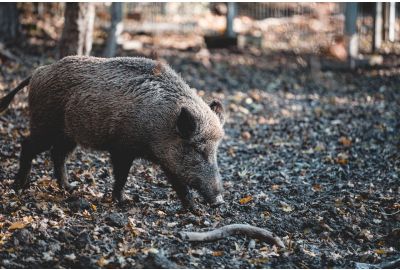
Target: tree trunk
76	38
115	29
9	23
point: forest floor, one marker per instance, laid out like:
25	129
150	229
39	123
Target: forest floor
312	156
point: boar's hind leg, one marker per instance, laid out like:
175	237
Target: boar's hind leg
30	147
59	154
121	165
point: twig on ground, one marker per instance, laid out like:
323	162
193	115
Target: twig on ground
390	214
383	265
234	229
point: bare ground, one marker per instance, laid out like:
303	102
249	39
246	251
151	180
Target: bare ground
312	156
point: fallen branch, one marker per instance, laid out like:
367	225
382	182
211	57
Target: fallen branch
383	265
234	229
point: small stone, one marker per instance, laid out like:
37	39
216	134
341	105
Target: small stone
246	135
70	257
158	260
252	244
79	204
23	237
116	220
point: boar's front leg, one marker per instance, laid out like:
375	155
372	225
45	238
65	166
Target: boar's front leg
122	163
59	153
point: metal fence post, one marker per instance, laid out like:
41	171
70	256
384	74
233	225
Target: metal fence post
230	16
351	32
392	21
378	25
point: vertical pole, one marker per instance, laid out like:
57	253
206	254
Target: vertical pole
385	17
115	29
351	32
230	16
378	25
392	21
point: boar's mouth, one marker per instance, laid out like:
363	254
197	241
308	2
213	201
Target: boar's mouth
212	198
198	185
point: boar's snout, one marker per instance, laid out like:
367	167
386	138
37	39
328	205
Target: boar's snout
218	201
212	192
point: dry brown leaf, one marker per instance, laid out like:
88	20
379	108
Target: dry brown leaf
86	214
17	225
345	141
217	253
316	187
380	251
342	159
275	187
246	135
231	152
245	199
102	262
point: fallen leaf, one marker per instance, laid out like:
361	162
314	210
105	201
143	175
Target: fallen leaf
342	159
245	199
17	225
319	147
246	135
366	234
102	262
285	207
275	187
86	214
380	251
161	213
70	257
217	253
316	187
345	141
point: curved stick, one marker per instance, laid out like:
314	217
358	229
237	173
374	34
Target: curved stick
234	229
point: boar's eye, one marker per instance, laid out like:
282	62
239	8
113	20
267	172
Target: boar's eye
186	124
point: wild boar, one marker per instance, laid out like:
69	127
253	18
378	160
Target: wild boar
132	108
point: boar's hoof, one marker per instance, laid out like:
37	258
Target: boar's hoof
17	187
121	201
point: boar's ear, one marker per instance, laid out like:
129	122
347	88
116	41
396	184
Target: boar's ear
217	107
186	123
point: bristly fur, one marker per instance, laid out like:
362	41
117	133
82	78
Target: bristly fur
129	107
158	69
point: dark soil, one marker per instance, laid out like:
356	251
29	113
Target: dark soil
312	156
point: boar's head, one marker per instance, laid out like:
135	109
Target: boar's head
192	154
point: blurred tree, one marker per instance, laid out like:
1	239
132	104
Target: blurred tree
115	29
76	38
9	24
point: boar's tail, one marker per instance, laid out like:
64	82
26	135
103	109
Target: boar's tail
5	101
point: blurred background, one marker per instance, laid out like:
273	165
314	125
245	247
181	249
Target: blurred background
317	28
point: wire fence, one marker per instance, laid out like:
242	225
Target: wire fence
278	26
